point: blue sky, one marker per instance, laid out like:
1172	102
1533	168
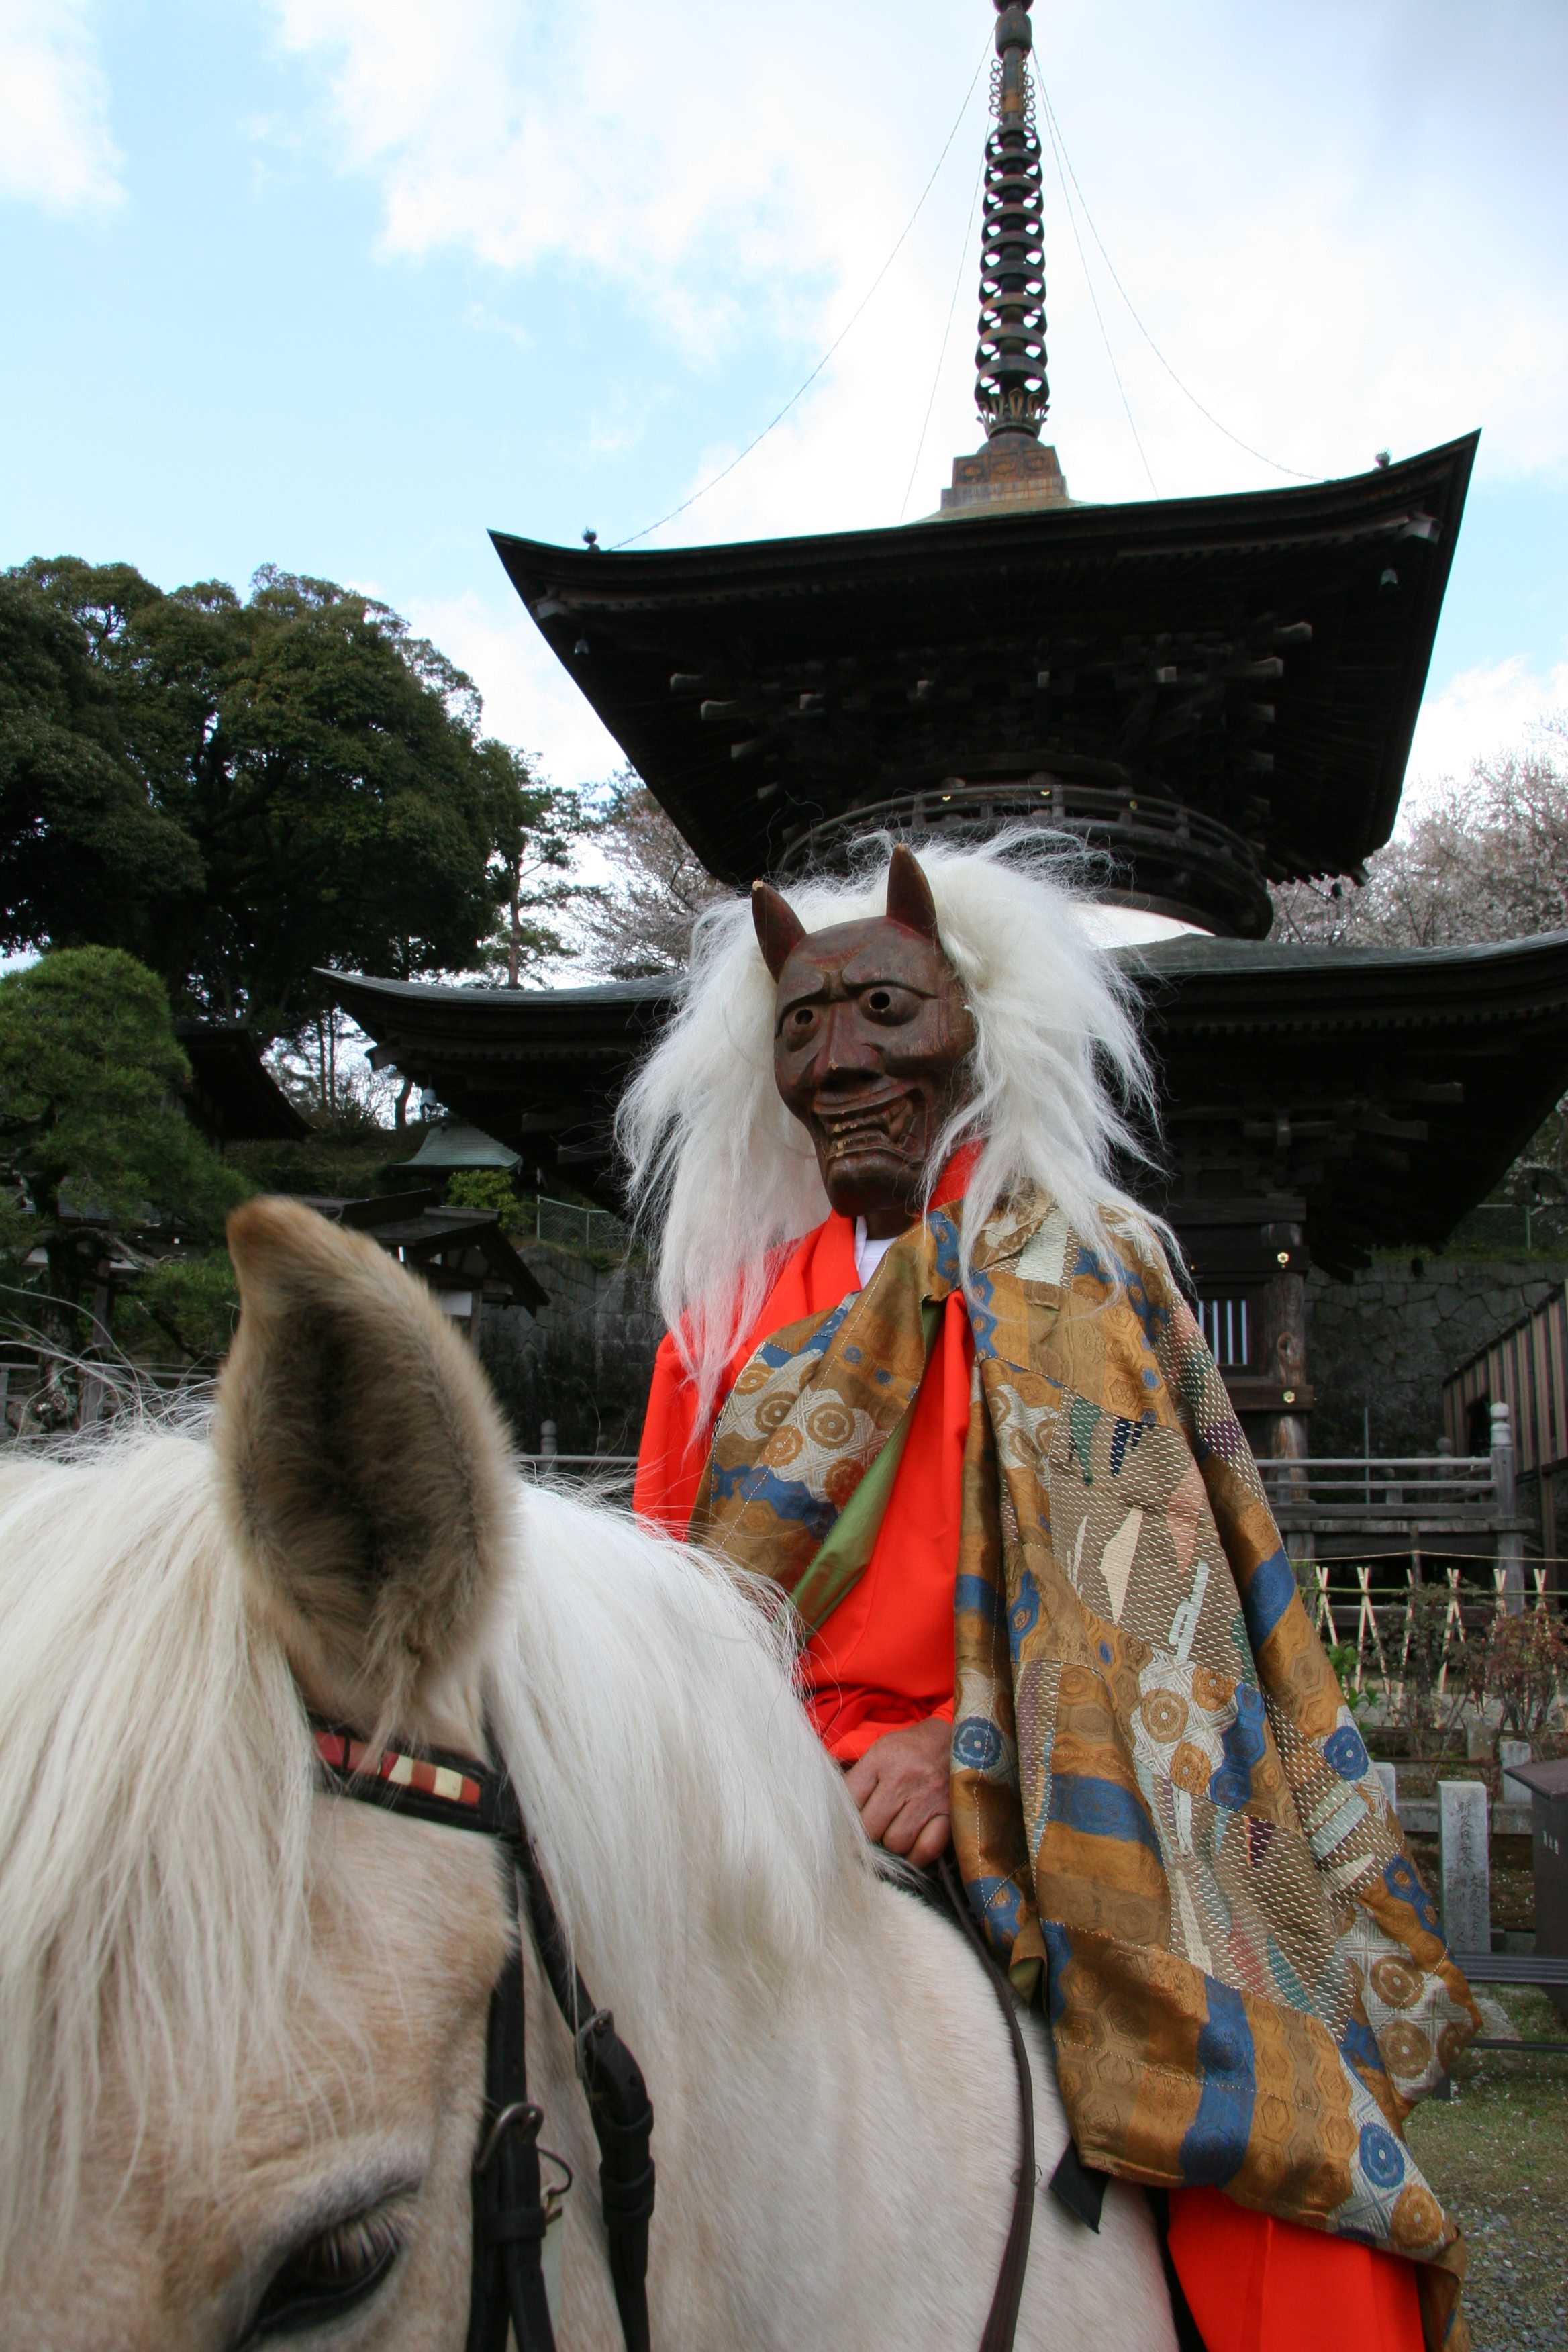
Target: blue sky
338	283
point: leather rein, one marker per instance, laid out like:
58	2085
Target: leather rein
512	2207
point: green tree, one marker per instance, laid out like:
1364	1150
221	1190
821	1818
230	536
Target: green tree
90	1123
533	868
484	1188
319	767
640	923
84	855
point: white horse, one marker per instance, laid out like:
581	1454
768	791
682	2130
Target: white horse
242	2021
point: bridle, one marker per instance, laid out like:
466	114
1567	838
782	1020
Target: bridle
512	2207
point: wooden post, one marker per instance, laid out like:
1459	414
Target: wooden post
1283	1357
1510	1555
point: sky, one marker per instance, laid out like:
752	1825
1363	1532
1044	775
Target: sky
339	284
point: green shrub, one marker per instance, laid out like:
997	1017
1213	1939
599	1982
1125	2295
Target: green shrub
484	1188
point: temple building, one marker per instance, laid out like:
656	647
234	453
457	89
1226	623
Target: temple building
1211	694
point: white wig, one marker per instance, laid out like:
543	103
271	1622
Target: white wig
728	1175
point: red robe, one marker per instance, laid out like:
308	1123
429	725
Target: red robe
884	1658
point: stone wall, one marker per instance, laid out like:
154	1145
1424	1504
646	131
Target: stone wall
1388	1339
583	1361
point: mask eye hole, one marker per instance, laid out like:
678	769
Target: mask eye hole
884	1002
323	2279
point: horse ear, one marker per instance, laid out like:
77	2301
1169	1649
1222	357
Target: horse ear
910	900
779	929
365	1469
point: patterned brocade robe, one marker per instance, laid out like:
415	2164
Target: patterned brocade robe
1162	1809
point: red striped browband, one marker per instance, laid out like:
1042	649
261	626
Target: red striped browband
341	1753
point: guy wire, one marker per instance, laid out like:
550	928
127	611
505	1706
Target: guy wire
725	472
1058	146
946	337
1083	258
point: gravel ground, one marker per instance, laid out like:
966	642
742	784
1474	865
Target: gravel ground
1497	2154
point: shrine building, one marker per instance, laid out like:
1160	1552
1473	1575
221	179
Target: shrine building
1210	694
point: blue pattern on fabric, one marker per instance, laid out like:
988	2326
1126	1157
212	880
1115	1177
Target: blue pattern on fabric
1127	1436
1401	1880
1059	1957
1215	2140
1268	1594
1380	2158
976	1744
978	1596
813	1344
1358	2044
1242	1746
787	1496
996	1903
1346	1751
945	1233
1024	1614
1081	1800
1286	1978
977	1297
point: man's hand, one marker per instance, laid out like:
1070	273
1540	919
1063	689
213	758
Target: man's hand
900	1785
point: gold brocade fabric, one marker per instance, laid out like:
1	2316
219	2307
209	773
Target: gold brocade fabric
1163	1810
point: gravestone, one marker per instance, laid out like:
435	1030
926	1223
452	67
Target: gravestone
1510	1753
1389	1776
1465	1865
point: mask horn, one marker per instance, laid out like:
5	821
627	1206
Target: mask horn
779	929
910	902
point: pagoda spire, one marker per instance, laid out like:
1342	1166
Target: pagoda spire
1011	390
1013	467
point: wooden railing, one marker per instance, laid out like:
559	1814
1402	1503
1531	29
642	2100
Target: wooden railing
1395	1486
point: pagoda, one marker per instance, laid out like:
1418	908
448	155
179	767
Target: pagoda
1209	694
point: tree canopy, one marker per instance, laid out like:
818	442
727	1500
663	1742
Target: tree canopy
639	923
90	1076
1486	859
242	790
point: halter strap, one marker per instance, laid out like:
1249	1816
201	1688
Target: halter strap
510	2212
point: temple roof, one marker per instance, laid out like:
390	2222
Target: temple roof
233	1095
1257	657
1390	1088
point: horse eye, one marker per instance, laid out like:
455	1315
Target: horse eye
326	2277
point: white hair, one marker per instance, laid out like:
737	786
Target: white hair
157	1775
155	1781
728	1176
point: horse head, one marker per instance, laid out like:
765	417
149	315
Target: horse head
241	2022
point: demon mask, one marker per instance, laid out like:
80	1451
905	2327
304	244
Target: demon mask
871	1035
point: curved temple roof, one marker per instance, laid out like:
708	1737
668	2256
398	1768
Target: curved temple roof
1259	657
1390	1088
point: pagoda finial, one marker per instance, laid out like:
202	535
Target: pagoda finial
1011	390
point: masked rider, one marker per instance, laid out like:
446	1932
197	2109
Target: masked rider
967	1422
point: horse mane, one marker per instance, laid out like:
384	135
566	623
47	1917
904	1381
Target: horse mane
619	1721
156	1784
156	1781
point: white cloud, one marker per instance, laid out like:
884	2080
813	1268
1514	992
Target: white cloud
1495	707
1343	236
529	699
56	149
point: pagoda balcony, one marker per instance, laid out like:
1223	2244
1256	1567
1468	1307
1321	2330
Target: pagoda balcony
1153	853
